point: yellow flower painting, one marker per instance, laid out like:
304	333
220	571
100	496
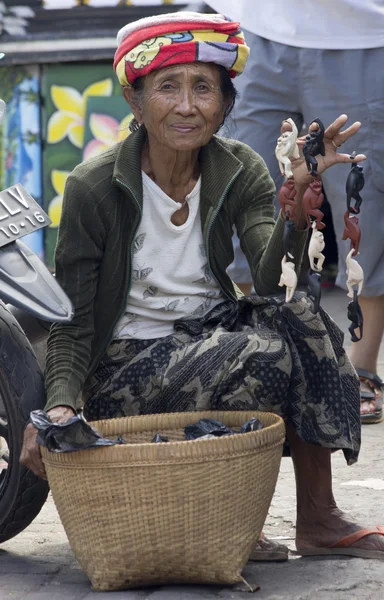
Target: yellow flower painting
68	119
106	131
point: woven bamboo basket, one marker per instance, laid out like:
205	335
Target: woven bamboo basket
145	514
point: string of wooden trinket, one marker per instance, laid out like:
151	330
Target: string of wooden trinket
287	149
355	274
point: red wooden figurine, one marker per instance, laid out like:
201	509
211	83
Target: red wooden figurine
312	200
287	195
352	231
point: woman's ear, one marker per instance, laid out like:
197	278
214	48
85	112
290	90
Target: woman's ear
130	96
226	109
228	104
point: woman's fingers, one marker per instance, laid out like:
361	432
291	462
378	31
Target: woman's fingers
339	138
334	138
30	455
333	131
346	158
36	463
335	127
343	136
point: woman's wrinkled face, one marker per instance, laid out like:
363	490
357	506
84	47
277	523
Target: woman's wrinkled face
182	105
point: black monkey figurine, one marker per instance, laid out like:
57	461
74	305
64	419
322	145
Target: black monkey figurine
313	146
355	315
354	185
288	242
314	289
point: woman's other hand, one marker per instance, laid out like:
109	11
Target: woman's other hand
334	138
30	455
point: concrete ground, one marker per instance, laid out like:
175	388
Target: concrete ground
39	565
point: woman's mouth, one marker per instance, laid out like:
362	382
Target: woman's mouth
183	128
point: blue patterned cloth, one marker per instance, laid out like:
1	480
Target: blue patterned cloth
262	355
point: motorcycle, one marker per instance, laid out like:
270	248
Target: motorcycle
26	287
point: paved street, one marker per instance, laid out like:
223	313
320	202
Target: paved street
39	565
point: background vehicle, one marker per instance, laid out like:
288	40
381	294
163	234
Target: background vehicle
27	285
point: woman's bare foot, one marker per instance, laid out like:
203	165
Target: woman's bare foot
325	528
268	550
320	524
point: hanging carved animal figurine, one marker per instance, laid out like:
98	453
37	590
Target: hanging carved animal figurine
355	315
288	238
355	275
312	200
314	290
354	185
288	278
352	232
315	248
313	146
287	195
286	148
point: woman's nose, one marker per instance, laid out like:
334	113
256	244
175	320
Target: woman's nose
186	102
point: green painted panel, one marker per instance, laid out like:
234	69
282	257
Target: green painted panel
70	91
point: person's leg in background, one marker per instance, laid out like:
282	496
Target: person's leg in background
267	95
334	82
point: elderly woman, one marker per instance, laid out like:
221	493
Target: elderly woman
143	248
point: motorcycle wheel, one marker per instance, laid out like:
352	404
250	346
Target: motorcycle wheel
22	494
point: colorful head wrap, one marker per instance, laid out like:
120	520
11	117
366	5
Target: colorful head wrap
182	37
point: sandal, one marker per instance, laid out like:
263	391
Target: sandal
345	547
373	398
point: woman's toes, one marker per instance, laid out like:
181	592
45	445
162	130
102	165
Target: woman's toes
366	407
371	542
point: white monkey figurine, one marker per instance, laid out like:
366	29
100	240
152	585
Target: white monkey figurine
355	274
288	278
315	248
287	148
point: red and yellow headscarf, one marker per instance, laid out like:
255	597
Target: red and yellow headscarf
181	37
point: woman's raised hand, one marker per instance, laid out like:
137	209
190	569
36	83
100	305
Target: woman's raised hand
334	138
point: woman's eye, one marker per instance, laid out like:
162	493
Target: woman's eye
167	87
202	87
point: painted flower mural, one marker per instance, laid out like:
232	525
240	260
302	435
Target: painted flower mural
68	119
106	131
58	179
73	94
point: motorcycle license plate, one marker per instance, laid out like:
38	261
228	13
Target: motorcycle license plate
19	214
